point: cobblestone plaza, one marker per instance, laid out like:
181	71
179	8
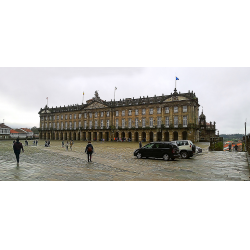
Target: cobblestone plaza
114	161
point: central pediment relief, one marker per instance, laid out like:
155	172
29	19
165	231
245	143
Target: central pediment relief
96	105
176	98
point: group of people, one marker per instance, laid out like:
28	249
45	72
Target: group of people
68	144
18	146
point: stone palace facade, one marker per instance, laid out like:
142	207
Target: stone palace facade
158	118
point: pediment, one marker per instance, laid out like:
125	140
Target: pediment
176	98
96	105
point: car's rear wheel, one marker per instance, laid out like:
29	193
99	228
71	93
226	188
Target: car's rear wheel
184	155
166	157
138	155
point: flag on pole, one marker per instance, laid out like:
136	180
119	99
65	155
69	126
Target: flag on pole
83	93
115	88
177	78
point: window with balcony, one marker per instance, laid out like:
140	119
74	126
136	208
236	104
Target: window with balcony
184	121
176	121
151	122
167	122
158	122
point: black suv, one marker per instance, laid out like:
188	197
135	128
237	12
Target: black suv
165	150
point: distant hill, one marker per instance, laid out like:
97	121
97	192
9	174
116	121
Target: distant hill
231	137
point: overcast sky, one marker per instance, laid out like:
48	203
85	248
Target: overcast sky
223	92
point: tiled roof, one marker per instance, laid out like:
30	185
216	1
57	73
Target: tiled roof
12	131
27	130
2	125
20	131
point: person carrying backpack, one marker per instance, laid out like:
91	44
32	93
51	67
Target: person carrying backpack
89	150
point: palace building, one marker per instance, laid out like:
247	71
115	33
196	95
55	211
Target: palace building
158	118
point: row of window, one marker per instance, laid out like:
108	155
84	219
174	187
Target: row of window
151	112
4	131
129	123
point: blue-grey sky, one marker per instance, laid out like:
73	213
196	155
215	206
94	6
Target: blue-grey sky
222	92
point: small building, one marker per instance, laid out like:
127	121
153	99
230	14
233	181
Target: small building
18	133
4	131
29	132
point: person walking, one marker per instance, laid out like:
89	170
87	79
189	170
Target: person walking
17	150
89	150
62	144
71	144
67	145
140	145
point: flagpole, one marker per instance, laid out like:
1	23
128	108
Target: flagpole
82	97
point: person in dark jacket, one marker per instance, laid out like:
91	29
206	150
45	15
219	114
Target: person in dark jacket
17	150
89	150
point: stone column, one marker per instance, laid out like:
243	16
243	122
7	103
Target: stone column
171	135
147	136
155	136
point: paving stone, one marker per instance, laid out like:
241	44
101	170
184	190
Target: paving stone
114	161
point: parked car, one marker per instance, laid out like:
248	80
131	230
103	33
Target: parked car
165	150
186	147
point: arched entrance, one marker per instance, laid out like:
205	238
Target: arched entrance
117	135
89	136
151	136
143	136
159	136
166	136
130	136
100	136
184	135
123	135
136	136
107	136
175	136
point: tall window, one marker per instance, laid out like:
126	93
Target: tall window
175	109
107	113
54	125
136	112
143	122
167	121
66	117
90	124
57	117
74	116
136	122
130	112
61	117
176	121
96	124
74	125
107	123
96	114
184	121
158	122
123	113
61	125
85	115
184	109
143	111
90	115
158	110
79	125
80	116
49	125
70	116
117	113
70	125
58	126
102	114
130	123
116	123
85	124
151	111
123	123
101	124
151	122
66	125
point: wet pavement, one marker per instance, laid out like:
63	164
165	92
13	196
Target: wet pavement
114	161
